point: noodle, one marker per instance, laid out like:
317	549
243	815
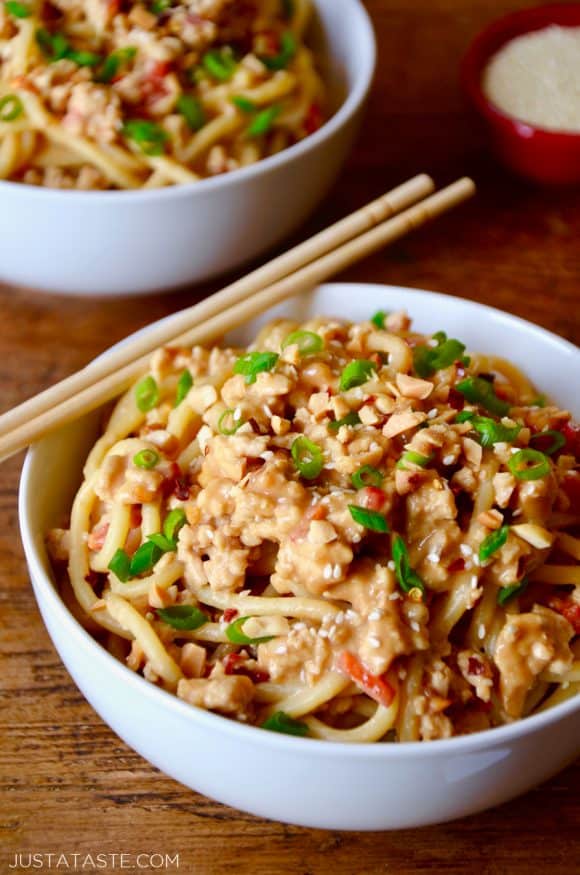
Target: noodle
350	531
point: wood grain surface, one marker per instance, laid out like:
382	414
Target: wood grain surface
67	784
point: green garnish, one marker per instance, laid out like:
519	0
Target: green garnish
351	418
465	415
308	342
10	108
493	542
529	465
263	121
147	135
174	521
480	391
145	558
236	636
243	104
183	616
491	432
307	457
159	6
146	394
413	458
229	416
378	319
164	544
281	722
84	59
114	62
356	373
508	592
284	56
366	476
146	459
220	63
406	577
370	519
18	10
427	360
556	437
54	45
192	111
184	384
253	363
120	565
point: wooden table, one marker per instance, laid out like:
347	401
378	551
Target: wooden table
68	784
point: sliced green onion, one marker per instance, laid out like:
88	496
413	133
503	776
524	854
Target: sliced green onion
146	459
540	401
491	432
308	342
556	437
146	394
227	417
220	63
18	10
10	108
413	458
84	59
427	360
164	544
145	558
508	592
120	565
236	636
183	616
147	135
370	519
243	104
284	56
465	415
406	577
356	373
54	45
192	111
281	722
493	542
351	418
174	521
159	6
479	391
378	319
114	62
263	121
529	465
307	457
366	476
184	384
253	363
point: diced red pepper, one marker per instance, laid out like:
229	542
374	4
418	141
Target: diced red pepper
229	614
234	663
571	432
456	565
373	498
569	609
456	399
375	686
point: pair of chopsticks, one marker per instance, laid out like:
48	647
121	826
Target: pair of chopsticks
396	213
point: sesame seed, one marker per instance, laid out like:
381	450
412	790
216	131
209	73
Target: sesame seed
332	630
336	572
448	460
351	615
374	642
465	550
432	413
237	413
476	559
402	674
322	633
415	626
375	615
394	596
517	512
391	565
327	572
339	618
281	650
267	410
433	558
481	631
299	626
474	581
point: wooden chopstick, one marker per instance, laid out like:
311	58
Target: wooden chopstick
308	276
351	226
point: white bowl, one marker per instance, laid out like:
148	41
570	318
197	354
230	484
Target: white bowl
132	242
304	781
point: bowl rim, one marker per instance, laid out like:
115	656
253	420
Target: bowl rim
355	98
213	722
488	41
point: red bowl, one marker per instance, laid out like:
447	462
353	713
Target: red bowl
538	154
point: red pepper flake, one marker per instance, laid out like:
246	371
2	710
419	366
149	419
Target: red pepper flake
474	666
569	609
456	565
456	399
93	578
229	614
175	483
571	431
234	663
373	498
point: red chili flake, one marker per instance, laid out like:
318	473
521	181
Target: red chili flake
474	666
571	432
234	663
314	119
229	614
370	400
456	565
93	578
569	609
175	484
373	498
456	399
